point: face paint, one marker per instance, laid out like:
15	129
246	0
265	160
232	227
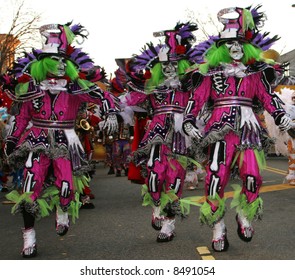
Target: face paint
235	49
61	68
169	68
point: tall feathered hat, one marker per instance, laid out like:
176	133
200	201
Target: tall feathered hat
57	40
242	24
177	45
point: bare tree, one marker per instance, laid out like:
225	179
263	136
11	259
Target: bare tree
22	34
207	24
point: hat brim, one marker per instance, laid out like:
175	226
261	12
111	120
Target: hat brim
60	54
222	41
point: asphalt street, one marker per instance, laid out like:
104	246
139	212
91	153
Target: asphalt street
119	227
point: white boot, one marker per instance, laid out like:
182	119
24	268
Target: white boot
219	240
62	222
157	218
167	232
30	247
245	229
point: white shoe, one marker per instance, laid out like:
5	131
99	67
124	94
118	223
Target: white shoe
157	218
167	232
30	247
62	222
245	229
219	240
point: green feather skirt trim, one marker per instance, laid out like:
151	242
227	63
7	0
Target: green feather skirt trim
207	216
44	205
39	208
170	197
252	211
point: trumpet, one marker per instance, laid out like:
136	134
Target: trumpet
84	124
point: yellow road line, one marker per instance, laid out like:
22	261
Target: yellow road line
205	253
275	170
263	189
208	258
203	250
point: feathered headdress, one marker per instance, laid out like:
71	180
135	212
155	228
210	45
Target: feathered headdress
241	24
58	40
178	43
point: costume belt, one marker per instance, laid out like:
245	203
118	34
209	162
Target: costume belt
168	110
66	124
233	101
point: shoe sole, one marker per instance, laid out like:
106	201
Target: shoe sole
156	227
169	238
34	254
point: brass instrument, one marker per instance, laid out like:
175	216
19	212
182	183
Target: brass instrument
84	124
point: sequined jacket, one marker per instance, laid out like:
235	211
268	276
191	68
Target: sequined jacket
41	118
232	102
167	108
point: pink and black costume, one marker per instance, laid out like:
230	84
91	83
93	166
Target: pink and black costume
163	143
233	136
42	137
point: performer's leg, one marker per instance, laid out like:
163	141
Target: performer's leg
29	220
172	175
155	181
250	203
156	168
218	170
175	174
64	181
34	175
174	181
29	236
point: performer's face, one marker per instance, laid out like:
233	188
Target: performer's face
169	68
61	68
235	50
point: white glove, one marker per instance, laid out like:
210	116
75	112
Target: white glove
192	130
75	148
111	124
73	139
286	123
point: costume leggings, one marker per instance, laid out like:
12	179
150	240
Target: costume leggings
221	156
163	171
36	170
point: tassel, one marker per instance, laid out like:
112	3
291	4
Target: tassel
186	202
